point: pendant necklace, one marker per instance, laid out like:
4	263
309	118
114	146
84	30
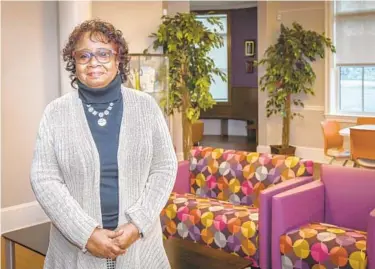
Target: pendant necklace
101	121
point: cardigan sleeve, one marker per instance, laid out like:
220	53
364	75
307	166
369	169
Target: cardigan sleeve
162	175
52	193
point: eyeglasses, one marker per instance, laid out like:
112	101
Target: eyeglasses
101	55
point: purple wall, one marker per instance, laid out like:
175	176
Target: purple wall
243	27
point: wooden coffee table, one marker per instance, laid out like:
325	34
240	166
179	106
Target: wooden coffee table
182	254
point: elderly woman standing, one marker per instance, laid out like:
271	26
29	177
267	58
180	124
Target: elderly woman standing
104	163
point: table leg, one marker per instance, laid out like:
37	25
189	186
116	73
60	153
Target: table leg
10	255
224	127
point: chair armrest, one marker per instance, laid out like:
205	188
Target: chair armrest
293	208
265	216
182	184
371	240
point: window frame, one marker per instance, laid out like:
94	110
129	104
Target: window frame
332	80
229	63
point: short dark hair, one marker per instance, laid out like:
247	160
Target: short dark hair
98	28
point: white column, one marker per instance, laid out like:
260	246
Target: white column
175	120
71	13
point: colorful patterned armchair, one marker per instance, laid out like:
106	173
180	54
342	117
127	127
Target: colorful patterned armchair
217	202
328	223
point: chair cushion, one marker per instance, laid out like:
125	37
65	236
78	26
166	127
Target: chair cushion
214	223
366	162
239	176
323	246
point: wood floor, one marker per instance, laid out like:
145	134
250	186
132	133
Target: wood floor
229	142
26	259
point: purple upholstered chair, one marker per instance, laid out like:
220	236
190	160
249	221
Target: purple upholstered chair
182	186
330	222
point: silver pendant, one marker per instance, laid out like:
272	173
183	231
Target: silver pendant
102	122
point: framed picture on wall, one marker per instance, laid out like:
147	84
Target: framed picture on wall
249	47
249	66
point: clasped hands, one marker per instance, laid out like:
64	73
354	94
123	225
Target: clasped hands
104	243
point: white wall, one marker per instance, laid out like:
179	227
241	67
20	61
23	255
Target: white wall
29	60
235	127
137	20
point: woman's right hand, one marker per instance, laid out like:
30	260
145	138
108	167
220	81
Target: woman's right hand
101	243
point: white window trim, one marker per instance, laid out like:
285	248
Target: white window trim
331	79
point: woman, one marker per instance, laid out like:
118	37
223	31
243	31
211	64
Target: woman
104	163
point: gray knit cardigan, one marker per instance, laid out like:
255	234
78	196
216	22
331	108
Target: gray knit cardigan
65	177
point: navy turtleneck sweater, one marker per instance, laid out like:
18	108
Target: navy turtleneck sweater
106	139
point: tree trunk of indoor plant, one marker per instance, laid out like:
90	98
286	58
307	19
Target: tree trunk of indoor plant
285	148
186	123
286	124
186	126
187	136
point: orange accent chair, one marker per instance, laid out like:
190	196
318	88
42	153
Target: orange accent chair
362	145
334	142
365	120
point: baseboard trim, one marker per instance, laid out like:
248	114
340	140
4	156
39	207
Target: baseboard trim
315	154
263	149
22	216
180	156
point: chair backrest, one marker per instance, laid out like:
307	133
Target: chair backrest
349	195
239	176
331	135
365	120
362	144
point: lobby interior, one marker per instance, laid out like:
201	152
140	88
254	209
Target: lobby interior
232	141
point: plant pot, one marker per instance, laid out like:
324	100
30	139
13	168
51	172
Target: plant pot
277	149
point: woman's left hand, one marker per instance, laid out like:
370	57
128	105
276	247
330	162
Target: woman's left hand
129	236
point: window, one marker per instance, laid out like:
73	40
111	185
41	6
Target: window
354	38
219	88
357	89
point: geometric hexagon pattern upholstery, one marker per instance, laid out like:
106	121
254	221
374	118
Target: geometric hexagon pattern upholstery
323	246
239	176
214	223
222	209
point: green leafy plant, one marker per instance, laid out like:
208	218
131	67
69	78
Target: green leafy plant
289	74
187	43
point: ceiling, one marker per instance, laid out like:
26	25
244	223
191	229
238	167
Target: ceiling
219	5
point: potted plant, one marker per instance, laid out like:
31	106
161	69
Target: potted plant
187	43
289	75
